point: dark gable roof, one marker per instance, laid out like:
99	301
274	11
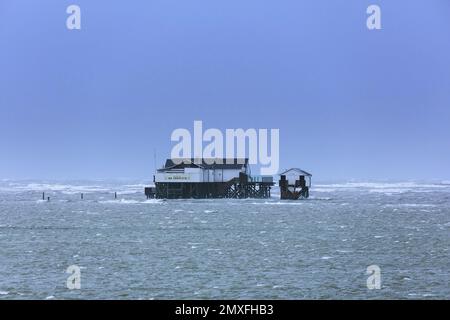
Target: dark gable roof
297	170
225	163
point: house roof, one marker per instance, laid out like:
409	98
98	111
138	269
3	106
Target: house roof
297	170
207	163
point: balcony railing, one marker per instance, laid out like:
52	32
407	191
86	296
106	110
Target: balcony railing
267	179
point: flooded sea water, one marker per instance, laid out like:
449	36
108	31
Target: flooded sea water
133	248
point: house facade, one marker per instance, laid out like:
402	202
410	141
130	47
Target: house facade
201	170
208	178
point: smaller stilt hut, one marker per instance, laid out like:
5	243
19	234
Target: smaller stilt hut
294	184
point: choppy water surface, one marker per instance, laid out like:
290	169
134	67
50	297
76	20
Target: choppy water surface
131	248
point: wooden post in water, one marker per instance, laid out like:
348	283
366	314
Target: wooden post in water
43	195
81	196
48	199
115	195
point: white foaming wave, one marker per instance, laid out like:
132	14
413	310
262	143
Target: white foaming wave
279	203
136	186
381	187
70	189
128	192
390	190
130	201
153	201
320	198
371	185
412	205
64	188
323	189
132	188
125	201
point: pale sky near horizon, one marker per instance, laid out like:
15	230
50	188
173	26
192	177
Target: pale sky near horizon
350	103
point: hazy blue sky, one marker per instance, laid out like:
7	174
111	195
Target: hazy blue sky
349	102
